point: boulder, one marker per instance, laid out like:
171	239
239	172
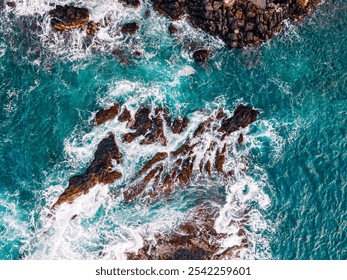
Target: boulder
202	55
105	115
130	3
67	17
130	28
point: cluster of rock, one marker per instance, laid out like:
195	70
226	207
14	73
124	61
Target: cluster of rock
67	17
238	23
180	163
194	239
165	171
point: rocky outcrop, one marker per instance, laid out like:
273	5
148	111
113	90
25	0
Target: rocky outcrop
69	18
130	28
105	115
162	174
238	23
100	171
194	239
178	171
130	3
201	55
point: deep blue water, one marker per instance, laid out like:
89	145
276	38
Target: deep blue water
298	81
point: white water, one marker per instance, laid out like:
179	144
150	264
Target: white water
104	226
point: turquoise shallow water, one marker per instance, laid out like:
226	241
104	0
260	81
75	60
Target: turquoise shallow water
298	81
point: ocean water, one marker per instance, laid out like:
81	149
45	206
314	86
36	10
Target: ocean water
51	85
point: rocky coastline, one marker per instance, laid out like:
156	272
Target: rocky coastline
239	23
166	172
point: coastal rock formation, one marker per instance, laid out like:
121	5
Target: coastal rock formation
105	115
162	179
130	3
238	23
99	171
130	28
201	55
194	239
69	18
165	171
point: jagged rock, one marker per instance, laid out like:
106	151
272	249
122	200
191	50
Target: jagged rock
130	3
130	28
172	29
239	23
240	140
125	116
118	52
201	55
69	18
179	125
157	158
157	130
242	117
194	239
142	124
99	171
105	115
92	28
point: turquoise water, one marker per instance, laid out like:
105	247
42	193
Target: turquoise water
297	150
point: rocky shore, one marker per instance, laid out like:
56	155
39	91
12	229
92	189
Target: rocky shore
239	23
168	171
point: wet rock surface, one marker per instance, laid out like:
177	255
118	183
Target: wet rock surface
238	23
130	28
105	115
99	171
69	18
130	3
194	239
168	171
155	179
201	55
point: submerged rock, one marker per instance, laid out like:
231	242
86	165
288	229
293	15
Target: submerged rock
69	18
100	170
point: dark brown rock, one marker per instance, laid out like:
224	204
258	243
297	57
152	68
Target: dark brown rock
172	29
92	28
179	125
11	4
105	115
194	239
202	55
130	28
242	117
99	171
142	124
157	158
66	18
125	116
157	130
130	3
